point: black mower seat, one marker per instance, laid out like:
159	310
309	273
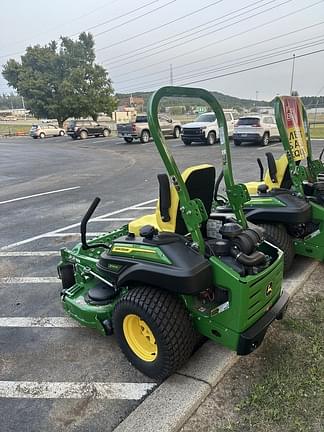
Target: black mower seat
277	175
200	183
293	210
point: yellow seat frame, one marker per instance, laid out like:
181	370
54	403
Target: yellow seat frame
281	164
155	219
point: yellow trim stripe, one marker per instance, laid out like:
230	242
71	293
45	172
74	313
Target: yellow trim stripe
125	249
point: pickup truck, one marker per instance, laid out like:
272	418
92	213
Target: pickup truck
139	129
205	129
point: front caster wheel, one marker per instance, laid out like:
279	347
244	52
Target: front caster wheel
154	331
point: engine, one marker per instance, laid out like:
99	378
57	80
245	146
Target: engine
238	248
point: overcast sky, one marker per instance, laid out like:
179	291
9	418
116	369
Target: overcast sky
213	39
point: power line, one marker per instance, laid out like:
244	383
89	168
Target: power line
187	33
117	17
253	58
265	54
114	19
230	51
58	27
218	41
136	18
252	68
219	29
162	25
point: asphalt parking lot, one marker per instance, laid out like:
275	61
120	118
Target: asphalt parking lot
55	375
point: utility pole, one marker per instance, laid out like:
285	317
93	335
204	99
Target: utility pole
23	105
171	75
292	74
256	99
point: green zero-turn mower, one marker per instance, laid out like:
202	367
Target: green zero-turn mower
289	202
160	290
302	171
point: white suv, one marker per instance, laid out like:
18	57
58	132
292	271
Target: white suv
205	128
260	128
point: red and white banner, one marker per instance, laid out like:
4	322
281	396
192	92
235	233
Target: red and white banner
293	121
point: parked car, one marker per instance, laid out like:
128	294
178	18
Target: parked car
139	128
45	130
84	128
205	128
259	128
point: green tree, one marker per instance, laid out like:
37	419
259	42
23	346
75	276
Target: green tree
62	80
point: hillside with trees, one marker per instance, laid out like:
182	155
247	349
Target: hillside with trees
226	101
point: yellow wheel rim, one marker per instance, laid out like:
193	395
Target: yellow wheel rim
140	338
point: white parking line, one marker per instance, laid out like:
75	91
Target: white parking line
31	280
142	208
31	239
29	254
271	145
114	219
39	194
48	322
74	234
74	390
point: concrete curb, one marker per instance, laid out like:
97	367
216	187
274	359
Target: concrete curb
175	400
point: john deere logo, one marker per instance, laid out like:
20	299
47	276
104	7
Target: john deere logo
269	289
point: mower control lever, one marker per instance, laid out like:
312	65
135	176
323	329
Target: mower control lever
85	220
261	168
321	155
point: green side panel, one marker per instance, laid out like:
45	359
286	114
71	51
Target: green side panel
248	300
313	245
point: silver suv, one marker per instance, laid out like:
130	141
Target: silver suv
46	130
260	128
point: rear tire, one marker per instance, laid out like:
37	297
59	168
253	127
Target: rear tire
62	133
211	138
237	142
128	140
265	139
106	133
145	137
277	234
154	331
83	135
186	142
176	132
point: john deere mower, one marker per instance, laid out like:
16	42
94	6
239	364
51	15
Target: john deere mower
288	203
161	284
299	171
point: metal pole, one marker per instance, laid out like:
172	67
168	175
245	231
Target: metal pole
23	105
292	75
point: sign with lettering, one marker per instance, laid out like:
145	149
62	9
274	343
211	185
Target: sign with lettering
294	124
